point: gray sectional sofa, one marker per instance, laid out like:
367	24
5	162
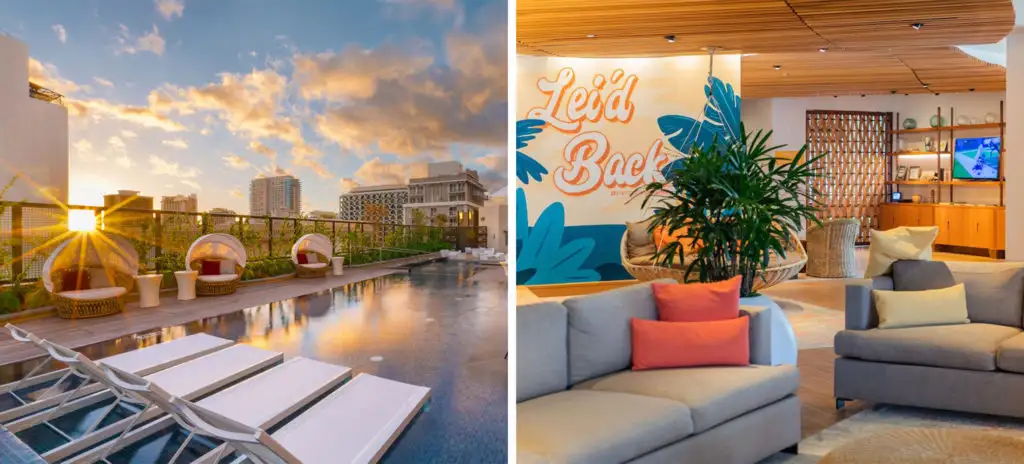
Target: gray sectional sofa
578	401
976	367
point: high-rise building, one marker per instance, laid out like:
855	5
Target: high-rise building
449	190
182	203
279	196
117	204
389	200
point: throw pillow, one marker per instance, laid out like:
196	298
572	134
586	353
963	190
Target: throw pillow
227	266
927	307
662	238
637	235
100	278
74	279
890	246
312	258
994	293
302	258
210	267
698	302
912	275
658	344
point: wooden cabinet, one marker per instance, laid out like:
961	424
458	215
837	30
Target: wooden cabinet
959	225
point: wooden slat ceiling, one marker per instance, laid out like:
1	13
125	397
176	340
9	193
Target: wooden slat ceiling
872	47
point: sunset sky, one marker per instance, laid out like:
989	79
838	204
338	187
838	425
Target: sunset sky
192	96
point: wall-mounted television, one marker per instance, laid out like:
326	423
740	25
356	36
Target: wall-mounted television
976	158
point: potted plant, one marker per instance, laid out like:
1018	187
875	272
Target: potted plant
734	203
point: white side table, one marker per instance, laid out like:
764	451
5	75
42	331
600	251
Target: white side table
149	289
338	263
186	284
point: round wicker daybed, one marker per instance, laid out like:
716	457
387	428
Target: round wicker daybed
224	249
779	270
88	275
311	253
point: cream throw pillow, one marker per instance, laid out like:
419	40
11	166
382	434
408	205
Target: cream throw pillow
928	307
890	246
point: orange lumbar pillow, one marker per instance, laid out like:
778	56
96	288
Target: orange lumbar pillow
658	344
698	302
662	238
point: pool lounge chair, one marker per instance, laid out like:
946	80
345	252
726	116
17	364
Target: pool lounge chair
37	392
357	423
89	275
260	401
310	254
193	379
228	257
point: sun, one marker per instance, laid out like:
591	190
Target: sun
82	220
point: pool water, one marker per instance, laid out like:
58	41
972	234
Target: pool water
442	326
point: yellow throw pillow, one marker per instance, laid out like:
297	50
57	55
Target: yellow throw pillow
928	307
890	246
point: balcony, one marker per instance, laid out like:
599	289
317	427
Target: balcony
42	93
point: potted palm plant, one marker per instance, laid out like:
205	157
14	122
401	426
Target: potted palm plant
734	203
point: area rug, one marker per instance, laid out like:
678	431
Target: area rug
883	418
814	326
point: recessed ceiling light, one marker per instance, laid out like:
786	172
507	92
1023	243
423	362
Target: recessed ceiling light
777	67
924	85
591	36
823	49
917	26
670	38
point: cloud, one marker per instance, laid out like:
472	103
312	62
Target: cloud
418	110
377	172
171	168
48	76
83	148
176	143
236	162
103	82
191	183
237	193
116	144
62	34
347	184
150	42
128	134
496	162
140	115
257	147
123	160
170	8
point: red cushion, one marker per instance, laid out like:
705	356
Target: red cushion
74	279
210	267
303	259
714	301
658	344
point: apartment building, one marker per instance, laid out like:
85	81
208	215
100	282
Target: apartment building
354	205
279	196
448	190
181	203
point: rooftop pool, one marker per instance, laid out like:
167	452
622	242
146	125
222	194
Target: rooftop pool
442	326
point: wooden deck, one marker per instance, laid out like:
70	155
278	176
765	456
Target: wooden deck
78	333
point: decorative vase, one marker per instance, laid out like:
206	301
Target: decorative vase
990	118
909	124
963	120
936	121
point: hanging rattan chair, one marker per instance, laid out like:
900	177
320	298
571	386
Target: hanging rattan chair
89	275
216	247
311	245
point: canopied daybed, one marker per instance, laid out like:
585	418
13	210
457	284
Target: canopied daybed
311	253
780	269
88	275
220	260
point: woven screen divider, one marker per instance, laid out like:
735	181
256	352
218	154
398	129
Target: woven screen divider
851	176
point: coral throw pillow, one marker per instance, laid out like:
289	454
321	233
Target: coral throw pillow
210	267
303	259
713	301
658	344
74	279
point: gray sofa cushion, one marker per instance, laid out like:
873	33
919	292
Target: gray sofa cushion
994	294
583	426
962	346
1011	354
713	394
600	340
914	275
542	356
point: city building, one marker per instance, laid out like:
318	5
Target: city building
494	216
33	126
279	196
449	190
321	214
116	204
355	205
182	203
222	220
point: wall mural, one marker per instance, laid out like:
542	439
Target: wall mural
592	130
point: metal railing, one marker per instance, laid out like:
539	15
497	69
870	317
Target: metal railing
30	231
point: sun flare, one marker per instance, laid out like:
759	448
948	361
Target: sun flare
82	220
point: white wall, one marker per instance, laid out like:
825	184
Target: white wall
33	133
494	216
1014	168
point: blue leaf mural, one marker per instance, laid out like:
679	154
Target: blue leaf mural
723	109
541	255
526	166
721	118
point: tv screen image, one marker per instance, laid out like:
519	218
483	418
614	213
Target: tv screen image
976	158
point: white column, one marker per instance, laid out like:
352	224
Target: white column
1013	160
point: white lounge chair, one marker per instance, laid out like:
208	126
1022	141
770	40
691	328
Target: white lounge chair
260	401
317	250
228	252
88	275
355	424
37	392
193	379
